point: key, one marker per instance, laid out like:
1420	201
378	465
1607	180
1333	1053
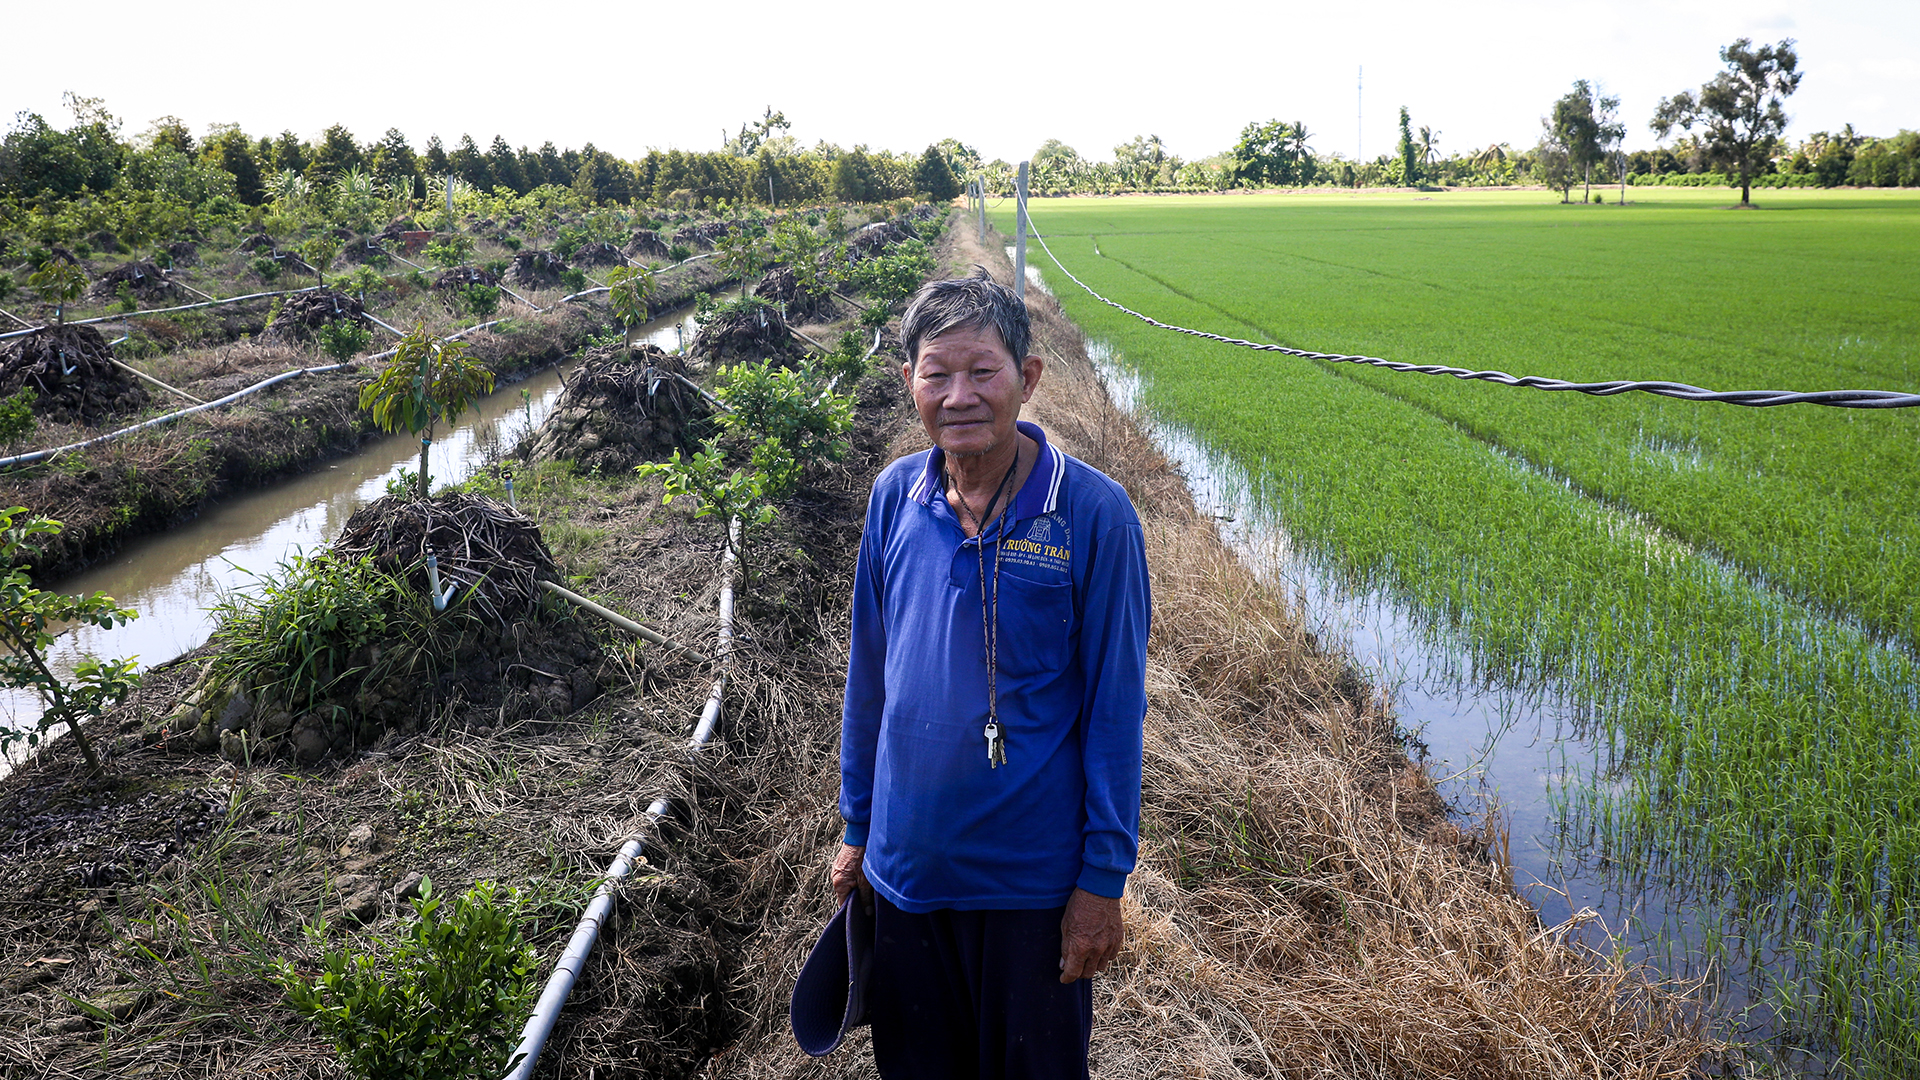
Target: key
996	746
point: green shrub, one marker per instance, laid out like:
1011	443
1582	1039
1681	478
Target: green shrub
363	280
16	415
451	251
574	278
511	243
6	287
481	300
295	636
679	253
445	1002
266	267
791	408
496	267
343	339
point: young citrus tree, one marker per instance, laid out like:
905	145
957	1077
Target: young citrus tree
26	614
59	283
631	287
426	381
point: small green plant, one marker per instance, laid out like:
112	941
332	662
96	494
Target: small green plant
319	252
427	380
6	287
630	292
266	267
446	1001
574	278
679	253
890	278
718	492
343	339
479	300
789	408
16	414
450	251
496	267
29	621
363	280
124	295
741	254
403	483
58	282
294	635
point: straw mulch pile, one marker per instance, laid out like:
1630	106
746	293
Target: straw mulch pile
72	373
479	543
303	313
622	407
536	269
143	279
744	336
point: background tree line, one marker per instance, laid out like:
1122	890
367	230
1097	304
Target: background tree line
169	171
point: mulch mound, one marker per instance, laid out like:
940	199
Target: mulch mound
646	244
598	255
536	269
760	334
183	252
144	279
872	239
622	407
702	235
259	242
781	286
497	654
479	542
462	276
72	370
303	313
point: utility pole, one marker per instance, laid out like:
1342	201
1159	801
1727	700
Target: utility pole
1360	117
450	202
1020	234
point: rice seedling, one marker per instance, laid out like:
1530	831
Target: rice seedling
1731	593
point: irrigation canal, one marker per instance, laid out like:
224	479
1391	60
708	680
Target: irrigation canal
172	578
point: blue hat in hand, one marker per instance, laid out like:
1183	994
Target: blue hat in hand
830	997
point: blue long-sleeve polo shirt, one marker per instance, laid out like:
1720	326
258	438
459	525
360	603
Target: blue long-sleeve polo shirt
943	829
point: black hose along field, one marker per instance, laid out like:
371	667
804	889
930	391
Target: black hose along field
290	819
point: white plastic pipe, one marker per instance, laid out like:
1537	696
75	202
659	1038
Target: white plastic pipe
37	455
566	972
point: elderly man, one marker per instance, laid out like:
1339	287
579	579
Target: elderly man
990	748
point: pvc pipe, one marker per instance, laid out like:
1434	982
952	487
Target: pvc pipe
22	459
566	972
381	323
439	598
619	620
14	317
154	381
164	310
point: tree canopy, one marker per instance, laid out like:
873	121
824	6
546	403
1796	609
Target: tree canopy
1741	111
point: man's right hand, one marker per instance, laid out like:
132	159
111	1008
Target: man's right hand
847	875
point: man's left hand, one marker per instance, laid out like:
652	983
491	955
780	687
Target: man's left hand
1090	935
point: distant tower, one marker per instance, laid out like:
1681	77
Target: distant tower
1360	116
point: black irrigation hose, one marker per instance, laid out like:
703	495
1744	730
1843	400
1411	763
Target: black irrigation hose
1842	399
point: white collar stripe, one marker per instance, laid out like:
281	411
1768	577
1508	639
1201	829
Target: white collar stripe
1053	489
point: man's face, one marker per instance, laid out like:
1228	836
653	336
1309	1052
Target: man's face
968	389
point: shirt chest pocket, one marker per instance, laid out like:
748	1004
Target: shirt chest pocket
1036	626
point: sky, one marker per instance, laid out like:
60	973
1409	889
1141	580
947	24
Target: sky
633	76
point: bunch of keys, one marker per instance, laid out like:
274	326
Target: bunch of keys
996	745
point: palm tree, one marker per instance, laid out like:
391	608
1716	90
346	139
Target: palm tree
1429	140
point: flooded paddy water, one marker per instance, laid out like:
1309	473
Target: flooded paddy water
172	578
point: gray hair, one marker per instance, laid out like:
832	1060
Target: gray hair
974	302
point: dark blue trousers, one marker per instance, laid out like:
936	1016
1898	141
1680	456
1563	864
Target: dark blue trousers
975	995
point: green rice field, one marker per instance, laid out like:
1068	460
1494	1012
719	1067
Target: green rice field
1732	593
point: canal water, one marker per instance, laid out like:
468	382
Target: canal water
172	578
